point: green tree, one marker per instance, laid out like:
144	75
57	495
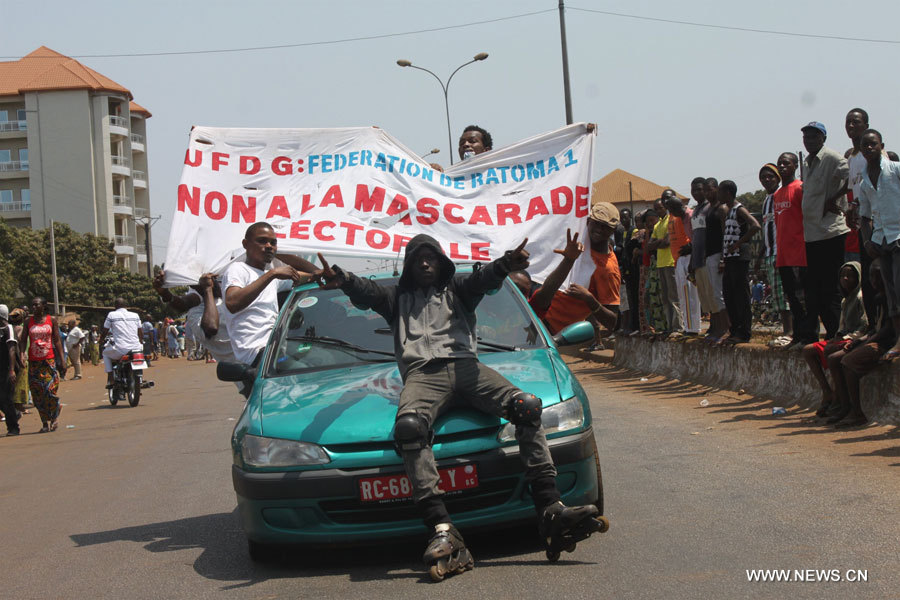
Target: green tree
752	200
87	273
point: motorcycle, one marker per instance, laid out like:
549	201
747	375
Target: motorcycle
128	379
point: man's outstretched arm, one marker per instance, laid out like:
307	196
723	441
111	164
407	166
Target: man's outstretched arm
544	296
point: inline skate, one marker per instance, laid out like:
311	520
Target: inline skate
562	527
446	553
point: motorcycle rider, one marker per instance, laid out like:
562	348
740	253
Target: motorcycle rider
124	330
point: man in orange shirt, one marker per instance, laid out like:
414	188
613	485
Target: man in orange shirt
599	302
679	237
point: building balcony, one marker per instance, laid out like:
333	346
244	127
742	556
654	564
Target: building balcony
15	207
122	205
137	142
118	125
141	213
13	129
123	244
140	179
121	165
13	169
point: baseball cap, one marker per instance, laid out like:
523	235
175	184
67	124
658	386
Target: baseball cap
4	312
604	212
814	125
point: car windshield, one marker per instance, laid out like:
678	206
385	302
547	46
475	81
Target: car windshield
321	329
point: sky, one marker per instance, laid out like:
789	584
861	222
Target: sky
671	100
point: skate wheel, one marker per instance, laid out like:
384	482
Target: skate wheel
552	556
437	574
602	524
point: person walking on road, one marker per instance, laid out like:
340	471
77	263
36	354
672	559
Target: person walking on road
45	362
75	343
8	358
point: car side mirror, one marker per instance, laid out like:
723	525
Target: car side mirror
576	333
232	371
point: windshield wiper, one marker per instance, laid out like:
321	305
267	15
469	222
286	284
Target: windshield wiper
337	342
495	346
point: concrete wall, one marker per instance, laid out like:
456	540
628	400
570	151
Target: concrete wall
782	376
62	159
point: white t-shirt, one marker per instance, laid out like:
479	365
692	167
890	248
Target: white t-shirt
75	336
857	164
219	345
249	329
123	328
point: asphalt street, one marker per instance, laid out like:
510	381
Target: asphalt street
137	503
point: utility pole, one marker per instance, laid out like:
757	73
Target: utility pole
565	61
631	201
53	270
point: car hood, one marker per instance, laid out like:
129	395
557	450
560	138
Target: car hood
359	404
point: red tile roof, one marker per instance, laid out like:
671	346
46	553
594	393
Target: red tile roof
47	70
613	187
137	108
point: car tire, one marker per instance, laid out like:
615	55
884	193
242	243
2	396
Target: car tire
599	502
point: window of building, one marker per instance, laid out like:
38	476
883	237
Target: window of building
4	116
20	114
5	156
23	155
26	199
6	196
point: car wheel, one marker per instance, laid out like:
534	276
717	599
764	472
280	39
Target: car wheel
599	502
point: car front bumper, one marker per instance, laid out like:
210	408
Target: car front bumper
322	507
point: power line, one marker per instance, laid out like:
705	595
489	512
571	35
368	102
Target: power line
732	28
300	45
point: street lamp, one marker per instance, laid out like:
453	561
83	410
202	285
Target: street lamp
433	151
405	63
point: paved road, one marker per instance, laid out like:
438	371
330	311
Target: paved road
137	503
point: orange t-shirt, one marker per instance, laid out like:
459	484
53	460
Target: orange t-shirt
678	236
605	281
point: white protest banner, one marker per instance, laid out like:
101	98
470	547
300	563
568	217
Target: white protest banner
359	192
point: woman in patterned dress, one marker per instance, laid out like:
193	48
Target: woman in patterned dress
45	362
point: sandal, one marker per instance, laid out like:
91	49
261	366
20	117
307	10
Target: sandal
782	341
54	425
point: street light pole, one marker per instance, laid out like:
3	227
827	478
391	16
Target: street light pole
565	61
405	63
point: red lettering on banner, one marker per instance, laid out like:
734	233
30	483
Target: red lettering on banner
428	214
280	236
351	228
369	202
249	165
581	200
400	242
278	208
508	212
479	251
219	159
400	205
189	200
241	210
381	244
480	215
450	217
318	231
300	230
556	195
455	253
333	197
536	207
306	204
281	165
198	158
222	208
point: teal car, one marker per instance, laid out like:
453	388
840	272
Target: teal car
313	450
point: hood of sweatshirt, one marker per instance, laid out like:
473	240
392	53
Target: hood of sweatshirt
448	269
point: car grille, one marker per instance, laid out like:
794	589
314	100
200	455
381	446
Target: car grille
448	438
489	493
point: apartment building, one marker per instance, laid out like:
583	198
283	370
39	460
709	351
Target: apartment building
73	149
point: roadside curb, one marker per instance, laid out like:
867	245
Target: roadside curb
781	376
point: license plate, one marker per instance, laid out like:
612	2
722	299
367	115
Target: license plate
391	488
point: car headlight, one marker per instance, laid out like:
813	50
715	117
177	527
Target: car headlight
566	415
273	452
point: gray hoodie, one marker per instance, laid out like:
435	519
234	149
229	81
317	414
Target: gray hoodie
433	324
